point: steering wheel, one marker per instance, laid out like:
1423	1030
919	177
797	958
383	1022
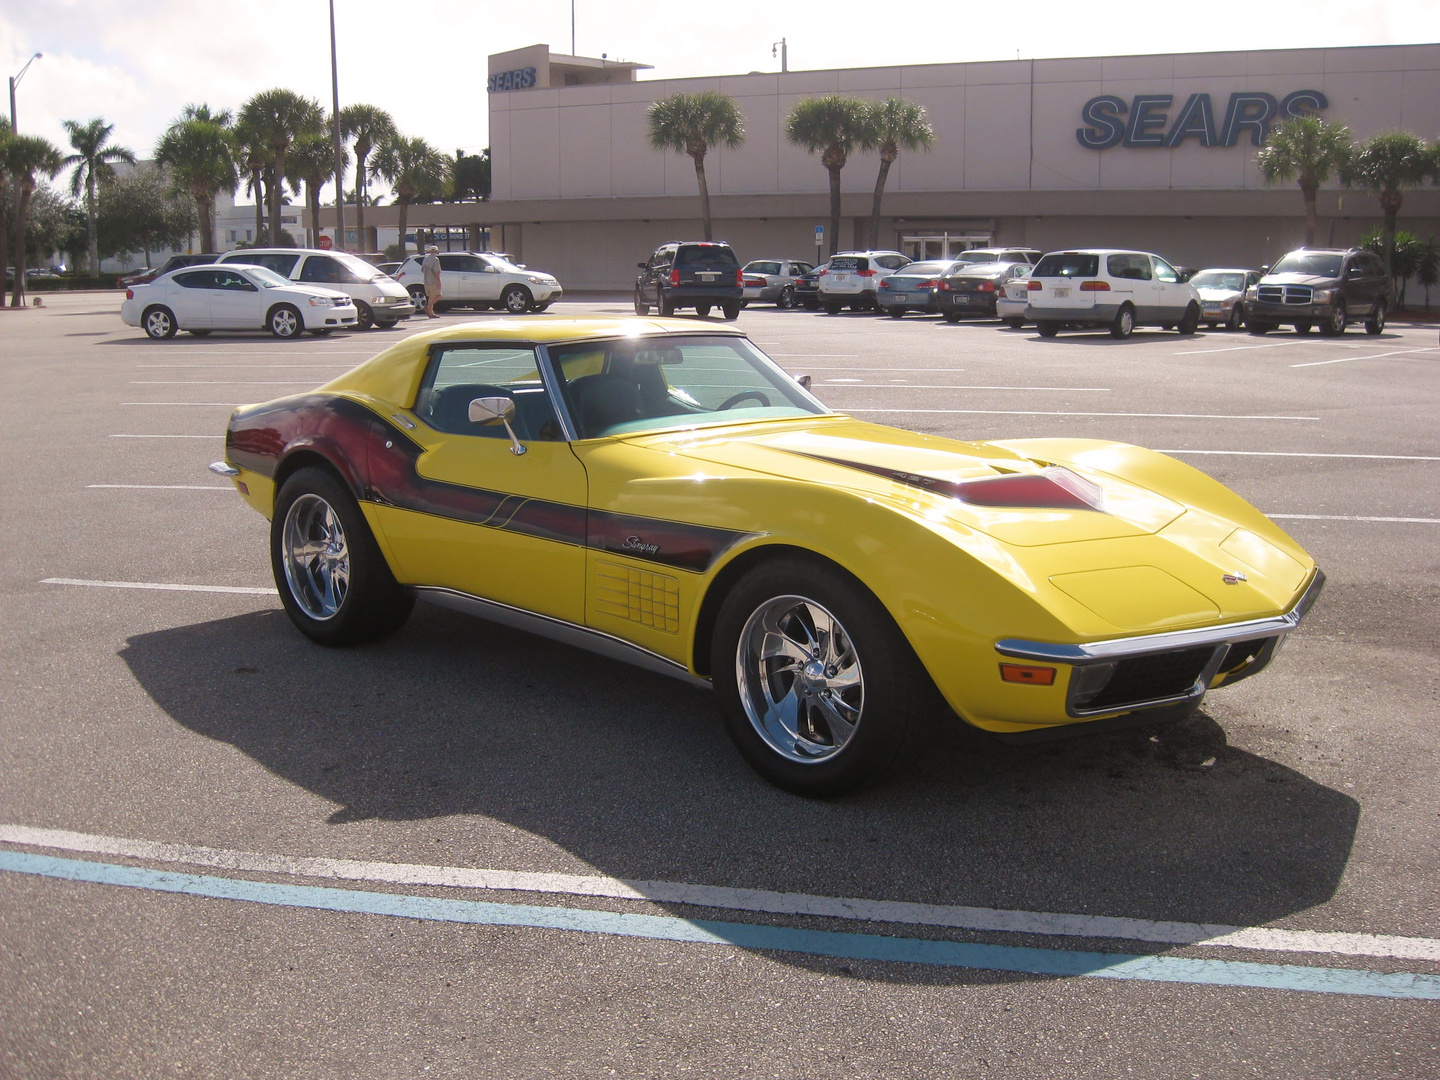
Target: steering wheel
735	399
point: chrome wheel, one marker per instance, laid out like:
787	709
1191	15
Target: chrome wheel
800	679
316	557
515	300
159	324
285	322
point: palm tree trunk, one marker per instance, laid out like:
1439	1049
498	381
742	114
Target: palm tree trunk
704	192
277	194
4	218
202	213
834	208
404	213
1390	205
22	211
258	190
92	240
359	198
1312	223
875	206
313	191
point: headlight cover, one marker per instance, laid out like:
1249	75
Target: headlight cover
1322	296
321	301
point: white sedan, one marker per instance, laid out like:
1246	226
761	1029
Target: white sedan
234	297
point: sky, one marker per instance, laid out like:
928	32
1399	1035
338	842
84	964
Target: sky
137	63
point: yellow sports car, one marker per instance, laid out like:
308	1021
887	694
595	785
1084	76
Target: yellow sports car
663	493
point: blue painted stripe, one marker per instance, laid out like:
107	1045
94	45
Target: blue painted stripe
1058	962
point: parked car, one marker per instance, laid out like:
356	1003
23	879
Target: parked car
667	496
974	289
1325	287
1116	289
379	301
175	262
389	268
483	280
1013	301
853	278
807	288
1222	295
911	288
1000	254
236	296
695	273
772	281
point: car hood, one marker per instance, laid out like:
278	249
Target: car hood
1316	280
916	471
1218	294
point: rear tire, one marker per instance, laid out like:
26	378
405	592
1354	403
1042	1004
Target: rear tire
159	323
1047	328
333	580
819	689
786	300
731	309
1376	323
667	306
702	310
1123	324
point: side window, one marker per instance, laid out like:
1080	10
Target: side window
1164	271
281	264
320	268
800	269
195	279
459	263
459	374
1373	266
1132	267
233	281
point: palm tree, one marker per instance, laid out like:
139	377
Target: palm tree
249	150
369	126
1388	164
1308	150
93	154
832	125
198	153
312	162
278	117
415	170
1427	267
26	155
894	125
692	124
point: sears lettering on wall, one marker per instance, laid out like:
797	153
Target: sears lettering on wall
1145	120
519	79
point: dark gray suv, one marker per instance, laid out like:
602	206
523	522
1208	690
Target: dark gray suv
1325	287
701	274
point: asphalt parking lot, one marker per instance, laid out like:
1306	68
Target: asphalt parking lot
468	852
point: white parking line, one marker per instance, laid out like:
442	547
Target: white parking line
161	586
1346	517
1030	412
1299	454
1375	356
751	900
218	435
230	367
1241	348
163	487
207	404
952	386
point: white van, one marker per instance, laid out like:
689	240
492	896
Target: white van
380	300
1111	288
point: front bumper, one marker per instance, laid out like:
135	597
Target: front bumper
394	308
1285	313
1172	668
329	317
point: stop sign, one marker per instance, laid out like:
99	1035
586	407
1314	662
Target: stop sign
325	243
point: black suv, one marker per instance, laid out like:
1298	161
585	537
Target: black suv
1325	287
701	274
175	262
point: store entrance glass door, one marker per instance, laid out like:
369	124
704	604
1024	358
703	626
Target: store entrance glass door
942	245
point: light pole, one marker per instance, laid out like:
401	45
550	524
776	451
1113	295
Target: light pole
784	54
14	82
339	149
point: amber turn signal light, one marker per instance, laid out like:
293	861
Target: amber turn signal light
1025	673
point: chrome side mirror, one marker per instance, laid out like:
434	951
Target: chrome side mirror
486	410
803	380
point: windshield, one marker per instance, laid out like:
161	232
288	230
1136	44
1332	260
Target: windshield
983	270
268	277
500	262
361	269
651	384
1312	263
978	256
1214	279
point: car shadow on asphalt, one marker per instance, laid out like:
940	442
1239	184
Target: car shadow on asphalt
633	774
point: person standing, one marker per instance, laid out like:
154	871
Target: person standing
430	267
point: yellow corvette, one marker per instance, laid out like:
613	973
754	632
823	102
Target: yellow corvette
661	492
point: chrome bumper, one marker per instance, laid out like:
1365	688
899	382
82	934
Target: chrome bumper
1254	643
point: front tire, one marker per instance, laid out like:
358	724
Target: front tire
333	580
1123	324
364	317
516	300
820	691
1335	322
284	322
159	323
1259	329
1376	323
1237	318
1189	321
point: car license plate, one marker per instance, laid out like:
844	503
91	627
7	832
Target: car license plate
900	297
842	277
1212	305
1062	290
706	277
963	298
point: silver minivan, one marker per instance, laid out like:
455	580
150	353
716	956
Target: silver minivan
380	300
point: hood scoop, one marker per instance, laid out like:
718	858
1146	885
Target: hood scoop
1052	488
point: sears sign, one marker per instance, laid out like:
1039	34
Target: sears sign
1146	119
519	79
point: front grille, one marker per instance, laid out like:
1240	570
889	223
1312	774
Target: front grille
1151	677
1286	294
